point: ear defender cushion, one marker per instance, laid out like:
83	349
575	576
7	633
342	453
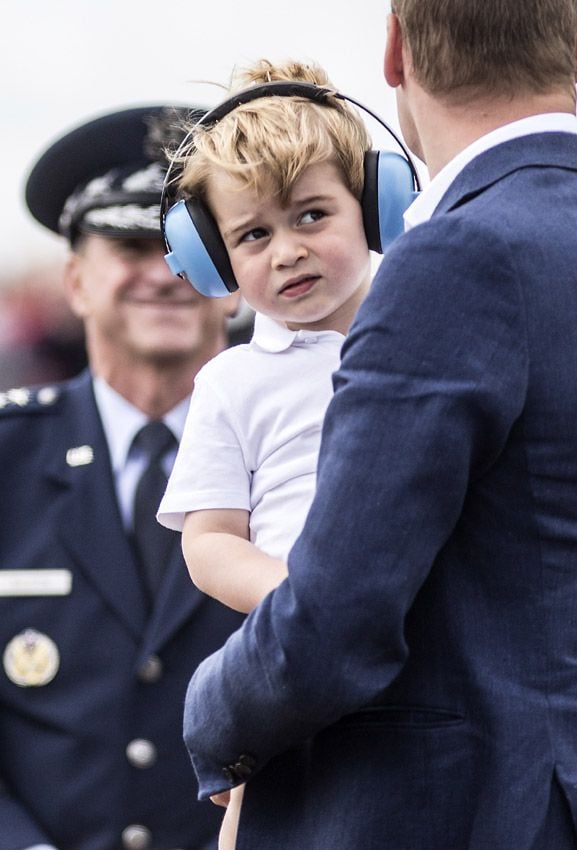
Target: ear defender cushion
197	250
387	192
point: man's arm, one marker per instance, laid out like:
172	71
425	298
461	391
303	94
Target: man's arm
434	373
223	563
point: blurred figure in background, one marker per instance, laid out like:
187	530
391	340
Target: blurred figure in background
100	626
41	340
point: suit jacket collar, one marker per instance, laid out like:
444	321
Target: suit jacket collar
556	150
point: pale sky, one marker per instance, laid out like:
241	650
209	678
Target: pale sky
66	61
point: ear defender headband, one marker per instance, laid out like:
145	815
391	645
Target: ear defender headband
195	247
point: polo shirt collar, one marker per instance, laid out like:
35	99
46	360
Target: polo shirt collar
272	336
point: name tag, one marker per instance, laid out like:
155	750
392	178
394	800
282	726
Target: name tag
35	582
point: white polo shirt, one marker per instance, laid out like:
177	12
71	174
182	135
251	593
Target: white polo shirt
253	430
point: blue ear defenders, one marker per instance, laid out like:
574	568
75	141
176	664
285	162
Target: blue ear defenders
193	241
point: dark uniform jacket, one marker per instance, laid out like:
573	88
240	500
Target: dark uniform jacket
91	684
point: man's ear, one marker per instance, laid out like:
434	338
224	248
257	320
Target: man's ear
394	69
74	291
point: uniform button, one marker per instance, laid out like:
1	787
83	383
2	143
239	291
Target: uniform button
151	671
141	753
136	837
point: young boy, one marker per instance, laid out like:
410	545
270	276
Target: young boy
282	177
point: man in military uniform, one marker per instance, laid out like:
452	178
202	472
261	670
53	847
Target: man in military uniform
97	638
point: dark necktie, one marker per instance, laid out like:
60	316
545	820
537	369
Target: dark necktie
153	542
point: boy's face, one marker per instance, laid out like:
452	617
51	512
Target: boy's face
306	264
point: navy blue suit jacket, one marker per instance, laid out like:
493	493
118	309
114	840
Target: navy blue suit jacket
66	778
413	684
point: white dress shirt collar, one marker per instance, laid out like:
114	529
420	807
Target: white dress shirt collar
425	204
121	421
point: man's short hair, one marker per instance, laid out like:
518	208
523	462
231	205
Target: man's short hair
505	47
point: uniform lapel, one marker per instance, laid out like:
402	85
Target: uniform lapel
176	602
89	523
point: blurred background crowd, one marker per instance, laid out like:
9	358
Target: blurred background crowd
40	339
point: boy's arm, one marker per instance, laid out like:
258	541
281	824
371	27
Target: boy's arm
223	563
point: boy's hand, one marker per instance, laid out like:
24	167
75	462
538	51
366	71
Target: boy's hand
222	799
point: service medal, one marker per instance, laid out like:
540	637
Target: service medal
31	659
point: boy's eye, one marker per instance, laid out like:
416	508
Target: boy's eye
311	216
252	235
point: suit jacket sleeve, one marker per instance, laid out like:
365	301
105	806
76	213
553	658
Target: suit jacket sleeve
433	376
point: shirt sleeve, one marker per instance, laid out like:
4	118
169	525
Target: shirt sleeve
210	470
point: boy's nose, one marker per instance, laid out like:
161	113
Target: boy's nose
287	249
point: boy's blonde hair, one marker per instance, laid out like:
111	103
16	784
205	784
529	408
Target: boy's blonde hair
499	47
269	142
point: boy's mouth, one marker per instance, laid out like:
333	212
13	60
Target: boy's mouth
298	286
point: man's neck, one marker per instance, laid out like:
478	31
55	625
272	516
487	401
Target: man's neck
153	387
445	129
152	394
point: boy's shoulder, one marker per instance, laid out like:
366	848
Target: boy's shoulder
230	361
